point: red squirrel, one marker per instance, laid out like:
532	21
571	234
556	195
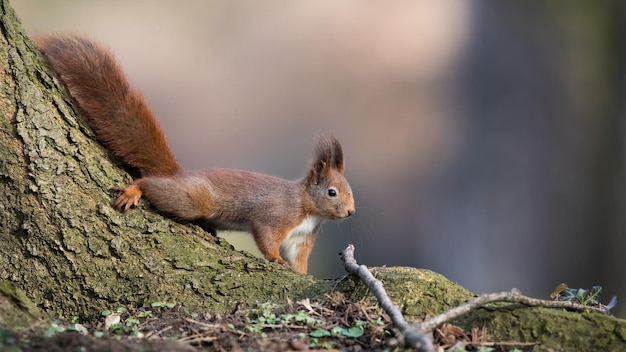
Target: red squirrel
283	216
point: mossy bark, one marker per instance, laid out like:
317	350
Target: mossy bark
66	249
552	329
16	309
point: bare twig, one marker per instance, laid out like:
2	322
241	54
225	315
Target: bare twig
204	325
157	333
416	335
506	343
413	336
198	338
513	296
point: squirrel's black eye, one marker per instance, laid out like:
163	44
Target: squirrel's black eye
332	192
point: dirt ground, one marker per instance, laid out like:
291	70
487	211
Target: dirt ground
262	328
333	324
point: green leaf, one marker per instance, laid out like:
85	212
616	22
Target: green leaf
54	329
589	297
132	321
319	333
121	310
337	330
314	343
360	322
569	295
170	305
581	294
354	332
144	314
327	345
106	312
593	297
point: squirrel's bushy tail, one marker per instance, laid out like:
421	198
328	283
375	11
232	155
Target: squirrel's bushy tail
117	113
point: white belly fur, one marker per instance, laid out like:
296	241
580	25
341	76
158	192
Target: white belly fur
297	236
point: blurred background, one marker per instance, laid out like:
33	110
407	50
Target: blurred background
484	140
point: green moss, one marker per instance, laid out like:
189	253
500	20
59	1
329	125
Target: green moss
555	329
16	309
419	293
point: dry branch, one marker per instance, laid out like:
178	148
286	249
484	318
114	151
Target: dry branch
412	335
417	335
513	296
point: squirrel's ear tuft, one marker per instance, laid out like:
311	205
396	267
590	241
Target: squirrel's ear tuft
328	149
337	154
327	156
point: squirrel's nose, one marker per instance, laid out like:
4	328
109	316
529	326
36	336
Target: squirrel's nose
351	211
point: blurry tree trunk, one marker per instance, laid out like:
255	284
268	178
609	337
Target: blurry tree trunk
538	177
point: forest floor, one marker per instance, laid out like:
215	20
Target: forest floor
332	324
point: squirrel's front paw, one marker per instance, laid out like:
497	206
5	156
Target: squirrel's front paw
129	197
280	261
